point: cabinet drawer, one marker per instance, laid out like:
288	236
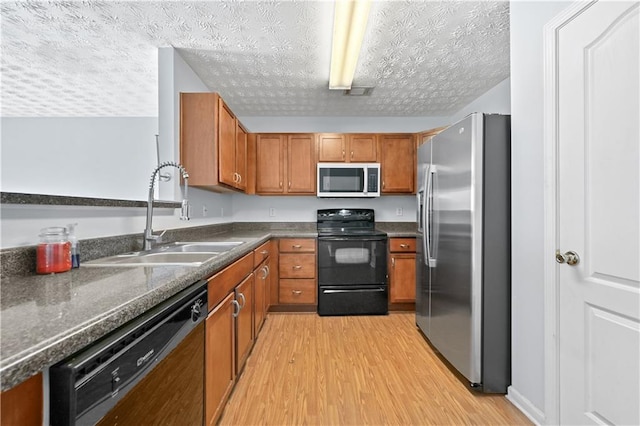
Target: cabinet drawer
298	245
261	253
407	245
297	265
224	281
298	291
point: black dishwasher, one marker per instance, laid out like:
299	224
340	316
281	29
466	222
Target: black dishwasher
149	371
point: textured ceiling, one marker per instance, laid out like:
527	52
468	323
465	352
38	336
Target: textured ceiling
99	58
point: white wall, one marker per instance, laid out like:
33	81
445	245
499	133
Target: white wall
527	22
104	157
21	224
496	100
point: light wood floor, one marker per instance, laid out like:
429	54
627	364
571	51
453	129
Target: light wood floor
367	370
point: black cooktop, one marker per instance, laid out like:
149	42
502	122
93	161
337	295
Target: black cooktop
347	222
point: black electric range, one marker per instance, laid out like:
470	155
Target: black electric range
352	263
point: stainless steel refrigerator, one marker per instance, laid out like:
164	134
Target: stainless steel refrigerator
463	288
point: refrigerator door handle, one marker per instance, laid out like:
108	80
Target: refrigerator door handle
426	241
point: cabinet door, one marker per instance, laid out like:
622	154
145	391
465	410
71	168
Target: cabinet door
331	147
226	144
241	157
219	358
198	149
22	404
262	274
270	164
402	282
398	163
362	148
244	321
301	170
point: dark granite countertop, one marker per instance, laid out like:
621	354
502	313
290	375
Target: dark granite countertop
45	318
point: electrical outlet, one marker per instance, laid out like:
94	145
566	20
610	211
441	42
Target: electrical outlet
204	210
399	211
272	212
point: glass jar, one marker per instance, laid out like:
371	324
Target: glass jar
53	253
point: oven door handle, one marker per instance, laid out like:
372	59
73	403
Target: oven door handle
352	238
358	290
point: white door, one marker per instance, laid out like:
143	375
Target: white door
598	215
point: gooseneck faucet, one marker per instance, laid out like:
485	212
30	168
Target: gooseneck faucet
149	238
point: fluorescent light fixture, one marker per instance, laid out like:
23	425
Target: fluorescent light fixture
349	24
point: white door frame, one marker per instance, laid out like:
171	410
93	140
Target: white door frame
550	146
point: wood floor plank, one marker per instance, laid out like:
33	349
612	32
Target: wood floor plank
355	370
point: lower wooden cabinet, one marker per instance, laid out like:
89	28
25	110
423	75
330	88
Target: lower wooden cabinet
298	291
402	270
219	358
22	404
244	321
297	273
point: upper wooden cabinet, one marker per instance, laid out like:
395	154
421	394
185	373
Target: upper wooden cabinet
332	147
339	147
362	148
285	164
397	163
213	144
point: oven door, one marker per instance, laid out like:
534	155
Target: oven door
351	260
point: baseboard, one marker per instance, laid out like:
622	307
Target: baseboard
524	405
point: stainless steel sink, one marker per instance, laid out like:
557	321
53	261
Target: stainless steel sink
202	247
153	259
174	254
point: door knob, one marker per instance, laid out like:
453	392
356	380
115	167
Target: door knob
570	257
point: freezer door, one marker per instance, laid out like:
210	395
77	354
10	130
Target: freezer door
422	270
454	325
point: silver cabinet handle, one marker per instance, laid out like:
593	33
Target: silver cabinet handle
404	245
268	270
296	246
266	273
264	252
296	291
297	267
244	301
393	262
570	257
343	154
236	308
239	178
352	155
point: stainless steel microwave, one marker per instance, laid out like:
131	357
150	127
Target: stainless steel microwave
348	179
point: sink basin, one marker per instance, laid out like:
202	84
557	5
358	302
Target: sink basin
202	247
176	254
153	259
